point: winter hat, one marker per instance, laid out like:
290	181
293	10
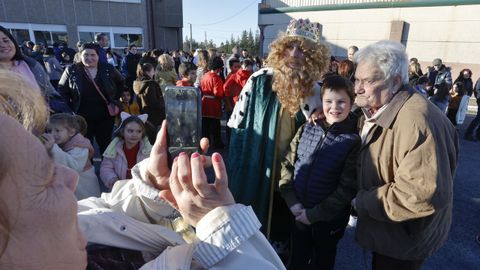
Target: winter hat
437	62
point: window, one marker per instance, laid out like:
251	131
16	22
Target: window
90	36
123	1
47	38
20	35
46	34
118	37
123	40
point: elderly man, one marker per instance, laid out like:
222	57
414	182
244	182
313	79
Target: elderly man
266	118
406	164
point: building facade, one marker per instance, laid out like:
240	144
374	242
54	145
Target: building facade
446	29
146	23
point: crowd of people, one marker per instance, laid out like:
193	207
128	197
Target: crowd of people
306	135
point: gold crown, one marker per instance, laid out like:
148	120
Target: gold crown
304	28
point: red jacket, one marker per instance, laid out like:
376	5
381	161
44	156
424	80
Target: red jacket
235	82
212	95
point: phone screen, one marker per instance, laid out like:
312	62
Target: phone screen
183	113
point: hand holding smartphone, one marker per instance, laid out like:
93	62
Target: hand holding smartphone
184	119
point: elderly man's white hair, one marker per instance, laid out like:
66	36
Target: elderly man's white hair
389	56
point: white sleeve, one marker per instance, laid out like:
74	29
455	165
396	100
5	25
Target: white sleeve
74	159
228	238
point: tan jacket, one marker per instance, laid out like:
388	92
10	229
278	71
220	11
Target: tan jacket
406	170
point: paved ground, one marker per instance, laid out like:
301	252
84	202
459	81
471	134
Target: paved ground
460	251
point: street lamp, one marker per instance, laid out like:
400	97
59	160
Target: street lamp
190	37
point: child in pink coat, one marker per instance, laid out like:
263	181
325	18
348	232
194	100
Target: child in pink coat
129	147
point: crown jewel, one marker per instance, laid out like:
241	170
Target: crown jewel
304	28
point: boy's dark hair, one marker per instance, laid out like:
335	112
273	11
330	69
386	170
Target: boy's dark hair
119	132
215	63
337	83
185	68
69	121
247	62
232	61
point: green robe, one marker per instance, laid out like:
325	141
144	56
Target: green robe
253	145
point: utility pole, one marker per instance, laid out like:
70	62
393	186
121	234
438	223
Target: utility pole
206	40
190	37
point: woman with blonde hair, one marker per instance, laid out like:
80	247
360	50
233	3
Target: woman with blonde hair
414	71
202	66
165	73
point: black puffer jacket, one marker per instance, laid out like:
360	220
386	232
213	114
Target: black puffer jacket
71	85
319	169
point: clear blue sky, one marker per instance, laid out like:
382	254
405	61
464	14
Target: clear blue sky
219	18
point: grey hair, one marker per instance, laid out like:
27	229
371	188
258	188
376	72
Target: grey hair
389	56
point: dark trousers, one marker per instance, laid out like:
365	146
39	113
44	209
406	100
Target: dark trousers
211	130
54	83
315	246
452	116
382	262
100	130
475	123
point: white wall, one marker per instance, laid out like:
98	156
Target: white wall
448	32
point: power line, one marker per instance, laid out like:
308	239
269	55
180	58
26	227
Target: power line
229	17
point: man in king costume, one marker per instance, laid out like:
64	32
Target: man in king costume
272	105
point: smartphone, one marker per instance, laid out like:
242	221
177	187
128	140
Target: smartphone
183	110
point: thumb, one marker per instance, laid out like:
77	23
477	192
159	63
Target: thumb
167	195
204	145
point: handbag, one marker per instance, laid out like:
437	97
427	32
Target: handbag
113	109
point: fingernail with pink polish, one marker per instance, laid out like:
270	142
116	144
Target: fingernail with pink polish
175	159
182	154
195	155
217	157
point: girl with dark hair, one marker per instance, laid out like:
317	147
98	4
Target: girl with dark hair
88	86
150	99
465	77
456	96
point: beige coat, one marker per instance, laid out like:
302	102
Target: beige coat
406	170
